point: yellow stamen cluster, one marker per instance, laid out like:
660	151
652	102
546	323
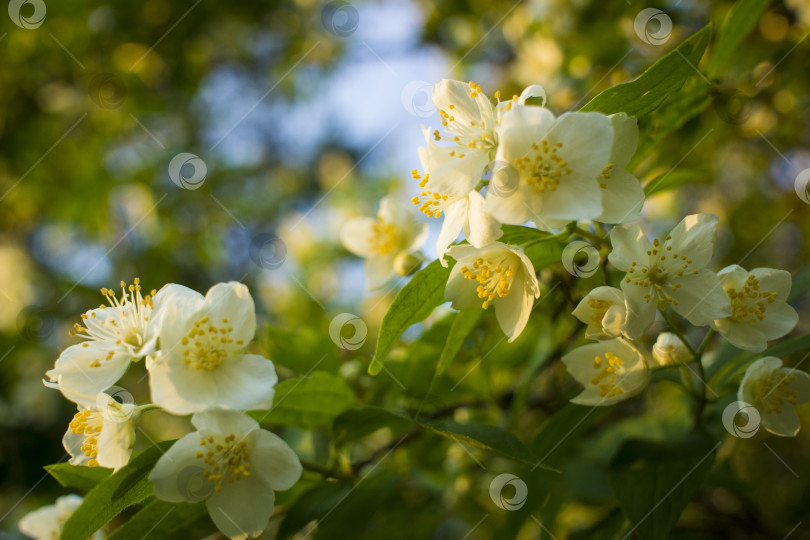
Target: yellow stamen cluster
657	273
228	461
605	176
124	322
599	308
204	347
774	391
495	278
544	167
429	202
384	237
748	305
472	134
89	425
609	368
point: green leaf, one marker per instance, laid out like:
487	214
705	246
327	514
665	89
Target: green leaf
801	284
654	482
414	302
562	430
160	520
312	506
78	476
489	438
359	422
645	93
674	179
125	488
742	18
308	402
464	323
302	350
544	248
518	235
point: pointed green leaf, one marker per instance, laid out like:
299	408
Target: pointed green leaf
646	92
417	299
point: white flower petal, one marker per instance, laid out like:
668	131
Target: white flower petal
772	280
85	370
640	312
625	139
622	199
481	228
454	217
629	246
170	472
694	237
227	422
700	298
274	461
356	236
513	310
242	509
784	423
229	305
379	271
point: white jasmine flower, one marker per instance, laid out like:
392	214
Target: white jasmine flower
669	349
46	523
556	161
499	275
604	312
102	434
611	371
759	308
456	197
622	194
452	174
774	391
240	464
201	365
115	335
380	241
672	271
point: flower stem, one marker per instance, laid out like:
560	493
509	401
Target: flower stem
589	235
148	407
324	471
697	357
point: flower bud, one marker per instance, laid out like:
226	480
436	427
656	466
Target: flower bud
669	349
406	263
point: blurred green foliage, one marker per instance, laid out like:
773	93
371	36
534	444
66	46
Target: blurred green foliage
95	103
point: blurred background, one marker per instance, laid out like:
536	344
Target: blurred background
299	115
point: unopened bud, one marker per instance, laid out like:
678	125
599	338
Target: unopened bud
406	263
669	349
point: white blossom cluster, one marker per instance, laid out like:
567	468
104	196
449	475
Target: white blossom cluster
194	348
